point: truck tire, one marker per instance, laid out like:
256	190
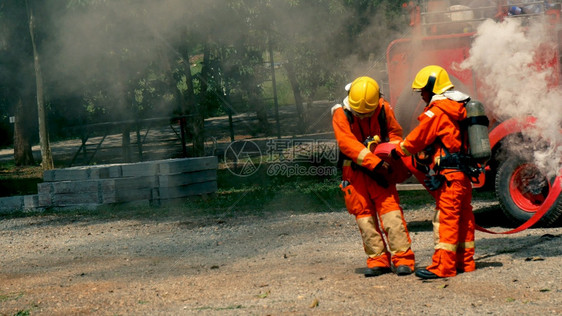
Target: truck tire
521	188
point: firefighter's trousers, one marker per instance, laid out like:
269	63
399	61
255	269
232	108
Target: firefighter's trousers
453	228
380	220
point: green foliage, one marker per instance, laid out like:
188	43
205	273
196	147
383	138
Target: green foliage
284	93
115	60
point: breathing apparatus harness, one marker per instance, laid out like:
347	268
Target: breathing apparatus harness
464	160
384	137
460	161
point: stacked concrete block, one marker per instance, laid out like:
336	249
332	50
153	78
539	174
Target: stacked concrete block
152	182
19	203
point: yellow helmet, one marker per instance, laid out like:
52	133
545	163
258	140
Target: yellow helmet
433	78
363	95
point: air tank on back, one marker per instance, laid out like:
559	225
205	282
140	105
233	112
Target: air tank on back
478	138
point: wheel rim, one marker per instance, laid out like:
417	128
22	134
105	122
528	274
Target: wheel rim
528	187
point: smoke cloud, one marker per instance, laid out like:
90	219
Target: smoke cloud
505	57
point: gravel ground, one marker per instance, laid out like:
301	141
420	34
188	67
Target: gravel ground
295	264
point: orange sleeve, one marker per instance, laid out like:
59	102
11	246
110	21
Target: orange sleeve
348	143
425	133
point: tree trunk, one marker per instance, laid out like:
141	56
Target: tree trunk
23	155
196	119
46	155
292	76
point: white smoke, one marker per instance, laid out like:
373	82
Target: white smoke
504	59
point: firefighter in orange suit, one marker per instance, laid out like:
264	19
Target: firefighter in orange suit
368	193
435	142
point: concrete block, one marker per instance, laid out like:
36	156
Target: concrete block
136	182
101	172
68	174
115	171
181	165
30	202
77	173
11	204
44	187
140	169
150	181
121	196
121	184
79	186
44	194
75	199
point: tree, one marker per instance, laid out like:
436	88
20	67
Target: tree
17	77
130	59
46	156
318	38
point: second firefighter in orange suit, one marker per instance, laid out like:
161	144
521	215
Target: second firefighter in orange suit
368	193
437	136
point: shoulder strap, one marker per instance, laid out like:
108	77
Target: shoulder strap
384	127
349	115
382	122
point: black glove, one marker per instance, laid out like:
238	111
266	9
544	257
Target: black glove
383	168
434	182
394	154
381	173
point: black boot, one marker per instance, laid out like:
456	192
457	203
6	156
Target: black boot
376	271
426	274
403	270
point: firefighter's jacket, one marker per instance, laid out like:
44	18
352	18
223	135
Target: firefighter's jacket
438	127
350	137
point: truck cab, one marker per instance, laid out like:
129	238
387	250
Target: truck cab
442	33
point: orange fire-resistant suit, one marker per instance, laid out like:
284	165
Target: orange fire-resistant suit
368	201
453	222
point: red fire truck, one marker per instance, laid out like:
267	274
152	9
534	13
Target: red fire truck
442	34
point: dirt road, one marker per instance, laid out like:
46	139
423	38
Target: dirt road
302	264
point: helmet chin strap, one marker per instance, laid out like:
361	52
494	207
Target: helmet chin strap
430	83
